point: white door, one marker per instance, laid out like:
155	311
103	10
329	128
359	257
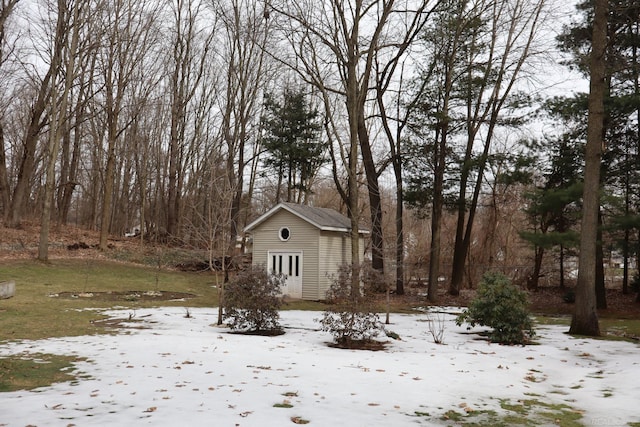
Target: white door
289	264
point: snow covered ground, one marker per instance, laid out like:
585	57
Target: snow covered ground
186	371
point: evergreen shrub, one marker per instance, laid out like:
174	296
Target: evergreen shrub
502	306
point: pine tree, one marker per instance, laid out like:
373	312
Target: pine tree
292	141
585	316
554	206
621	133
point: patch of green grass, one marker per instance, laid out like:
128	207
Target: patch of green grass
452	415
620	327
552	320
155	256
33	314
283	405
26	372
518	408
525	412
474	418
303	305
541	413
611	328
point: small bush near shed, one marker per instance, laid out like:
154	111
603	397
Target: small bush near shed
351	317
501	306
252	302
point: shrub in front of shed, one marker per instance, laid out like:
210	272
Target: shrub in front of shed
501	306
252	302
352	317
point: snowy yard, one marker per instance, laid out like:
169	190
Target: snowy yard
186	371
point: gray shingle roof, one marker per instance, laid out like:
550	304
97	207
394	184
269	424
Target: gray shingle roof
322	218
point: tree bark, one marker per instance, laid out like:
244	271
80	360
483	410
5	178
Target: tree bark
6	9
562	282
439	159
585	316
4	177
13	216
375	204
505	67
601	291
58	113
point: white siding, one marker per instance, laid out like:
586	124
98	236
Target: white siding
336	248
304	238
322	251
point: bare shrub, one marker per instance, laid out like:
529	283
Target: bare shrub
351	317
437	327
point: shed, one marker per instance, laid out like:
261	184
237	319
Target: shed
305	243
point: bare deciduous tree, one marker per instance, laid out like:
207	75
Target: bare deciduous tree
36	121
193	36
242	50
336	45
7	8
129	31
67	36
388	63
496	58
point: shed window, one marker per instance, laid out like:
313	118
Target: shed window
284	234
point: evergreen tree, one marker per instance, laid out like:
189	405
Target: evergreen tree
585	316
554	206
292	142
621	158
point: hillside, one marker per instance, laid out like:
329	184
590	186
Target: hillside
73	242
64	242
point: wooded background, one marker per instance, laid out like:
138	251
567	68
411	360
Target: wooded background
441	125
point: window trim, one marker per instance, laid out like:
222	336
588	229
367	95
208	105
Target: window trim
281	237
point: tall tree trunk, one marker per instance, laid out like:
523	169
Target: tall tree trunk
562	282
459	251
399	220
65	162
534	280
352	180
585	316
518	31
463	231
58	113
54	143
110	171
173	196
437	207
181	60
601	291
627	234
4	177
13	215
375	203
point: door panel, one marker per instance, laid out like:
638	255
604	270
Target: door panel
288	264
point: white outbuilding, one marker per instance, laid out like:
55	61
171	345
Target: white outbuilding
304	243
